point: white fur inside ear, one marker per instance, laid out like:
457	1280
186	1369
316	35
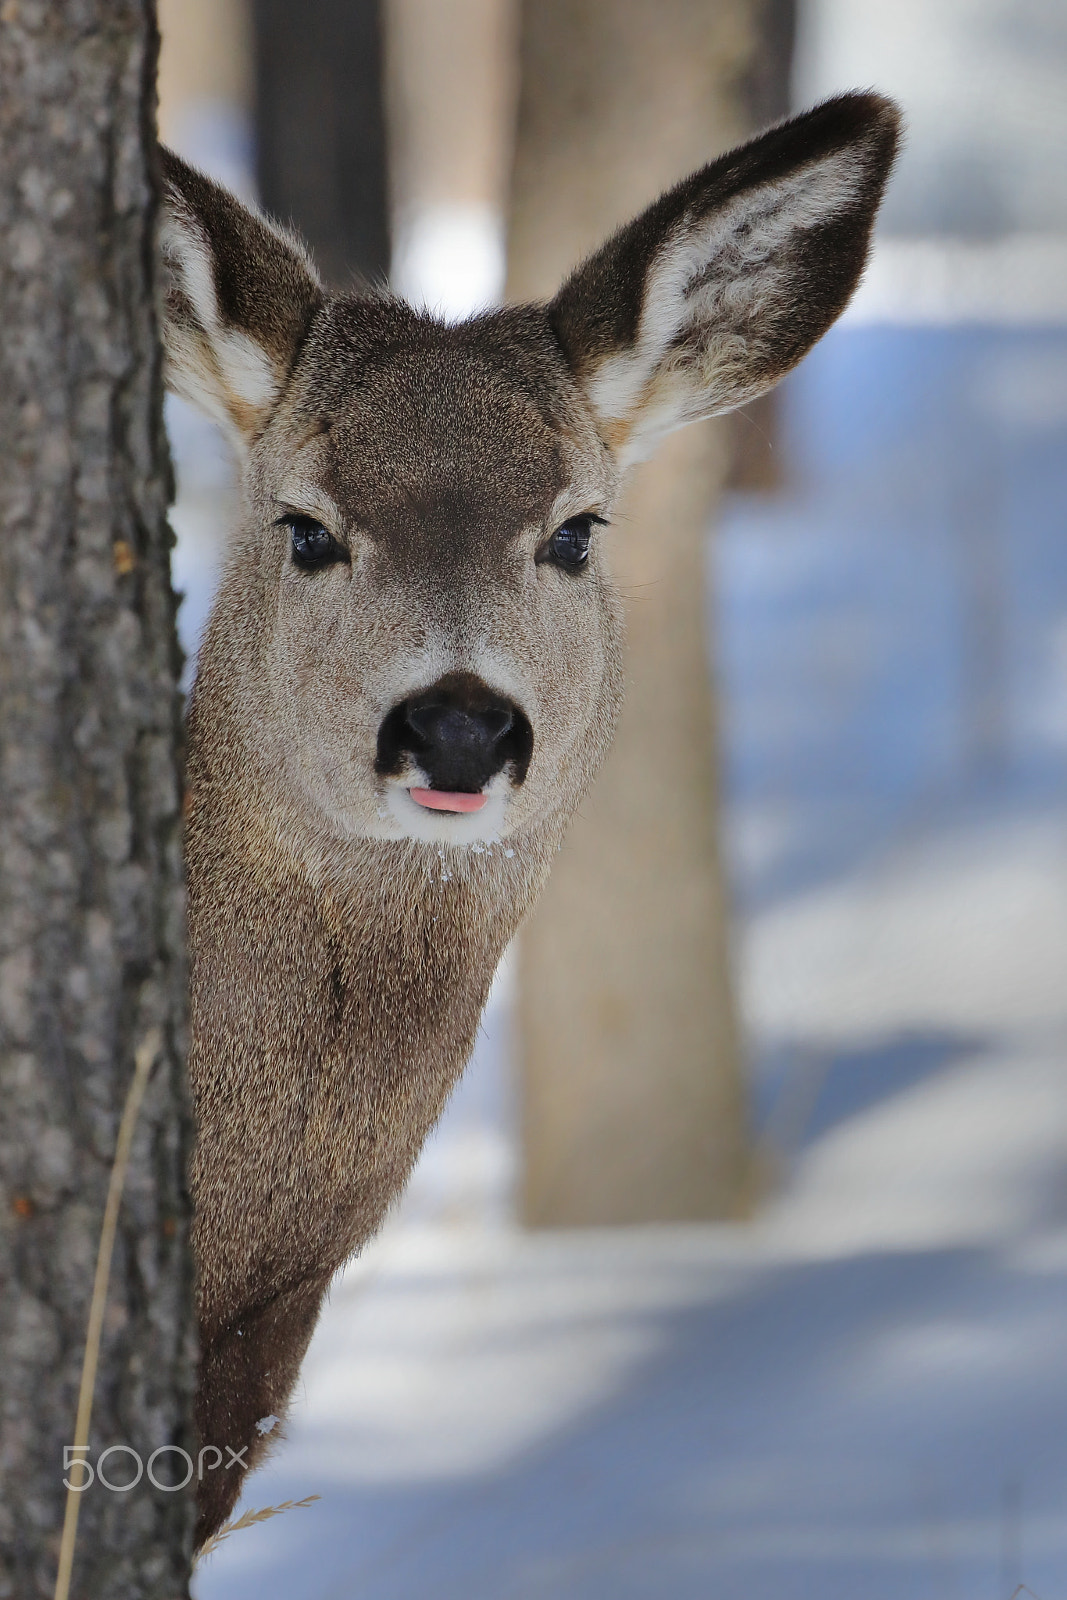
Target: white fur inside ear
704	296
220	369
247	368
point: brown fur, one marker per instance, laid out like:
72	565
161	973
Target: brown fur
343	942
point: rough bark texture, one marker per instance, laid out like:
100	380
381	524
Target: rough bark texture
91	899
633	1107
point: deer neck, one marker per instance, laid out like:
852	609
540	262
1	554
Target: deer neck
336	993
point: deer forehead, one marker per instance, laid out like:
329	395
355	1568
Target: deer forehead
423	435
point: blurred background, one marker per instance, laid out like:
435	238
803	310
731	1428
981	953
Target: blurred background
744	1269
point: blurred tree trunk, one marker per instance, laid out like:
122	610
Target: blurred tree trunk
320	130
450	74
632	1091
91	899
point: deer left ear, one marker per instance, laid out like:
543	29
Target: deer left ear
240	296
722	285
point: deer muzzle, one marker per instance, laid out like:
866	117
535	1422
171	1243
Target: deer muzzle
457	735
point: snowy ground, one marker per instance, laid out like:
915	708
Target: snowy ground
861	1392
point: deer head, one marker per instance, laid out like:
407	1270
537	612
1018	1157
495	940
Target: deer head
417	617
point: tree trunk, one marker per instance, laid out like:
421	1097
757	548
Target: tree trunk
320	130
633	1104
91	899
450	71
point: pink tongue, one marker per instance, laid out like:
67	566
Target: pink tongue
447	800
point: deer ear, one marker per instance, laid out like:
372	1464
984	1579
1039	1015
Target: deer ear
240	295
722	285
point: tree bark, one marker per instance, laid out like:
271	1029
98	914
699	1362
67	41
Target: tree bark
632	1093
91	897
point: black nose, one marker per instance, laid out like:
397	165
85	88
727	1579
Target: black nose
459	732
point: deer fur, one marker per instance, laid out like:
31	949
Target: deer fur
343	935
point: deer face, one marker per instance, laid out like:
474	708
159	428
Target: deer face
417	620
434	625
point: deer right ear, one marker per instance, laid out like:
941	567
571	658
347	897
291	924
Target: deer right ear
710	296
240	296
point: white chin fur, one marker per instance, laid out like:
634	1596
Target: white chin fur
404	818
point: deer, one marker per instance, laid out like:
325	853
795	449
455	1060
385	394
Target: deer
412	671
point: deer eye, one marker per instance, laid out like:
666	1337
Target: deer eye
313	546
569	545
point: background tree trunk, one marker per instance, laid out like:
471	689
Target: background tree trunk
91	901
632	1094
450	77
320	130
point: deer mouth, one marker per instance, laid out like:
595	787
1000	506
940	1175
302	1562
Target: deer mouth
451	800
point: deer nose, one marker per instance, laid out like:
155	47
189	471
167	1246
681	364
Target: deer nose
445	727
459	732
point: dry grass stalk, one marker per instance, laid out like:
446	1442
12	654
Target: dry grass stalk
143	1061
249	1520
